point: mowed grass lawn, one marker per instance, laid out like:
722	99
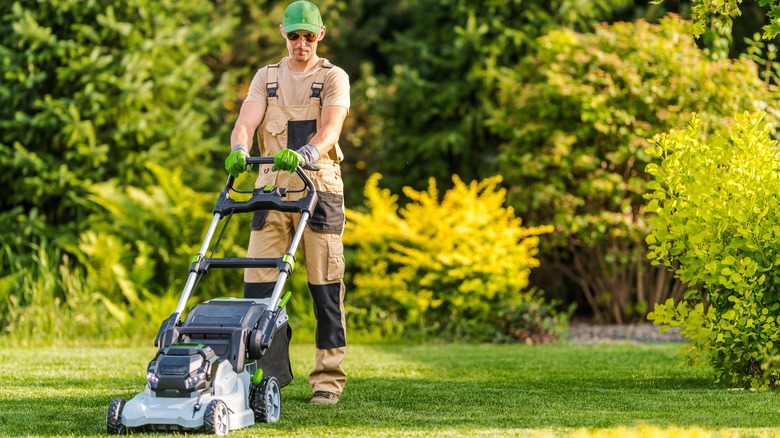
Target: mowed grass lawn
419	390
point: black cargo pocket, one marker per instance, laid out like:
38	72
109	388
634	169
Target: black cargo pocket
258	219
328	215
299	132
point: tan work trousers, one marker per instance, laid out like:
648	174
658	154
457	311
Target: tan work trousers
323	255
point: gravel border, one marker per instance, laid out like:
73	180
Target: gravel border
583	333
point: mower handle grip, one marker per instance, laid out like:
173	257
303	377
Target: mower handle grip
259	160
270	160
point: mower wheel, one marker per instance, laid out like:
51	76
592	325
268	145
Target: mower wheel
114	424
216	419
265	399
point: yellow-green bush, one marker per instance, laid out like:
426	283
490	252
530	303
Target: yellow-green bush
715	224
452	267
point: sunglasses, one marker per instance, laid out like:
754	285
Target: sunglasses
308	36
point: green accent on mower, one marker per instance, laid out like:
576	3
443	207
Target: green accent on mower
257	376
287	258
285	299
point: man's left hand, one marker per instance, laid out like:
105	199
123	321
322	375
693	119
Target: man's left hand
289	160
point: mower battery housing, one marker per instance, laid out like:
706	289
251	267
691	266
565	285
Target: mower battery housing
181	369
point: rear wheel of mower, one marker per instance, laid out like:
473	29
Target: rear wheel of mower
216	419
266	400
114	424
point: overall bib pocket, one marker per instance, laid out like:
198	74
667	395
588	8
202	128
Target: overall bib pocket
300	132
277	128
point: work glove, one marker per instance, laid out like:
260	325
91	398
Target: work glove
289	160
235	163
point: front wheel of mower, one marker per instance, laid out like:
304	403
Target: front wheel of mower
216	419
266	400
114	424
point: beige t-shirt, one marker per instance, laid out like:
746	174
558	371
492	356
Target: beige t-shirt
295	88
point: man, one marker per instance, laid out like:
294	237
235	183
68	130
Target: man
299	106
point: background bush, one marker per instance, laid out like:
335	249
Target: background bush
575	116
446	268
126	271
715	224
93	91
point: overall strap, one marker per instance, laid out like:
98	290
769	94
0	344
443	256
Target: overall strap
271	83
319	81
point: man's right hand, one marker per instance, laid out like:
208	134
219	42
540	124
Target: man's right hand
235	163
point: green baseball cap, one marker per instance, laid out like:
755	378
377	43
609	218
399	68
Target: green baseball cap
302	15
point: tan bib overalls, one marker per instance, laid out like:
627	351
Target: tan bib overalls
321	246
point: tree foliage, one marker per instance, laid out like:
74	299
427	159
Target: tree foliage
715	224
439	62
93	91
718	16
575	117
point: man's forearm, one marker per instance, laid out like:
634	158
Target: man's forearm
241	135
330	130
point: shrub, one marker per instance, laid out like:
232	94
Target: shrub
575	117
715	224
533	322
447	267
54	300
151	235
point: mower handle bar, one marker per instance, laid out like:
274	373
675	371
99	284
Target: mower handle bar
267	200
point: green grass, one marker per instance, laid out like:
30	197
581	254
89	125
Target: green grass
421	390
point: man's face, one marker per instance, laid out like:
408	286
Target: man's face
302	44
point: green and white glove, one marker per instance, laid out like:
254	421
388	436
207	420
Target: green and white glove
235	163
289	160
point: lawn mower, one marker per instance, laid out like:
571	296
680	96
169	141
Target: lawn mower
222	367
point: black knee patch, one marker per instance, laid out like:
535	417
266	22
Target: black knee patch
327	310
